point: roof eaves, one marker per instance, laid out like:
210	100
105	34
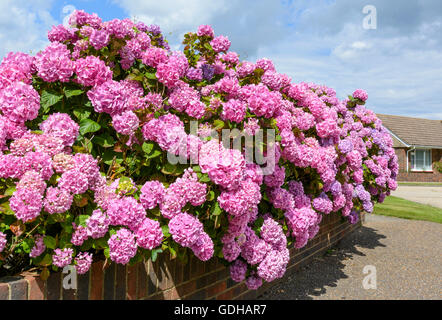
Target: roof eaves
399	139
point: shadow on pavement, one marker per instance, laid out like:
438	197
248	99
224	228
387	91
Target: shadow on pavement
324	271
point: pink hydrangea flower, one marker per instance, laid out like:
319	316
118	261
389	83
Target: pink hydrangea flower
79	236
203	248
122	246
253	282
92	71
74	181
360	94
32	180
185	229
110	97
83	262
97	224
220	44
205	30
62	257
126	123
60	125
57	200
54	63
152	194
26	204
39	246
238	270
19	102
234	110
149	234
99	39
2	241
126	212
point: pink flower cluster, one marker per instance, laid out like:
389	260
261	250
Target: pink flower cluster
188	231
330	156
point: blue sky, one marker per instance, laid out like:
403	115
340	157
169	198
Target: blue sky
322	41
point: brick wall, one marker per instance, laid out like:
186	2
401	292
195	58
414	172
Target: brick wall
166	279
405	176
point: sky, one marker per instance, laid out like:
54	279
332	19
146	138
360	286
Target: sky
398	60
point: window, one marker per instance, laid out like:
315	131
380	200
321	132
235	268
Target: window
421	160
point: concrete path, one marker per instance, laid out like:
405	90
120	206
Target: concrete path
407	256
420	194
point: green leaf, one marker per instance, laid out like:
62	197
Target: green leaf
168	168
155	153
108	157
27	245
72	92
106	141
45	273
106	253
211	196
208	46
10	191
182	255
101	243
205	178
218	124
87	244
165	230
147	147
216	210
88	125
82	114
155	254
173	248
49	98
50	242
150	76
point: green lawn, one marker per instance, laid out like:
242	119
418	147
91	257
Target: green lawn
421	184
401	208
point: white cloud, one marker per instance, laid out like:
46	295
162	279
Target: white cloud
24	25
174	15
249	24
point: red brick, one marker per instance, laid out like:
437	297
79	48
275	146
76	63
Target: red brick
36	288
142	281
216	288
120	282
179	268
152	279
19	289
54	286
132	272
97	274
163	273
4	291
228	295
187	288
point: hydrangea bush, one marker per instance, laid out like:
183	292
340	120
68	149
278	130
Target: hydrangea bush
88	124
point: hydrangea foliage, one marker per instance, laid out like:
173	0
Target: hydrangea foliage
87	124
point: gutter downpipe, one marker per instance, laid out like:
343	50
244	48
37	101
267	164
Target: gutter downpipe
408	151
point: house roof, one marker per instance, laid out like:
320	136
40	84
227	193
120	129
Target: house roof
413	131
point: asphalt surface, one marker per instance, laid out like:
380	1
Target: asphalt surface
420	194
407	256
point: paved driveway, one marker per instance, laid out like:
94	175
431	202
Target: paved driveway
420	194
407	256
